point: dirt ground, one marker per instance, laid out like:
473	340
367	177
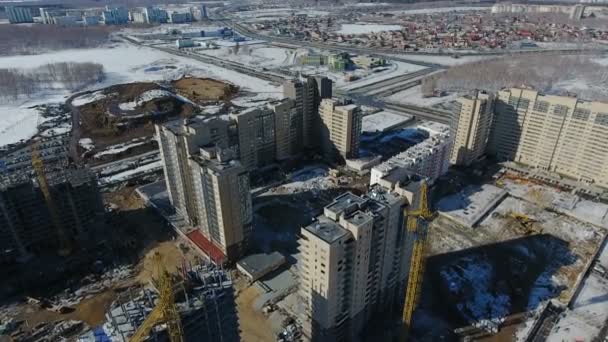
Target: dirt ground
255	327
201	90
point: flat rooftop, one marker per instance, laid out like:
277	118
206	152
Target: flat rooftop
326	229
345	201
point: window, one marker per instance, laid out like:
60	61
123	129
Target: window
581	114
541	106
513	101
601	119
560	110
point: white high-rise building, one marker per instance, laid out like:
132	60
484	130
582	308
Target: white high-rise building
354	261
471	125
340	129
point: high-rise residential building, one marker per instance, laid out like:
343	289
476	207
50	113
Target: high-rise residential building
205	182
154	15
285	117
307	93
560	134
430	158
223	199
471	124
26	227
178	141
17	15
180	17
354	261
256	136
340	129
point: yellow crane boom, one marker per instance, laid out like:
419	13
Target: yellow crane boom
419	234
165	310
65	246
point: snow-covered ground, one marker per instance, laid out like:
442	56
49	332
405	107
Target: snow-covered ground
274	13
88	98
395	69
414	96
120	148
144	97
382	121
589	311
132	173
122	63
440	10
471	204
257	55
356	29
444	60
572	205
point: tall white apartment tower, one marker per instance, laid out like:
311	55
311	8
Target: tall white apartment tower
354	261
471	126
340	129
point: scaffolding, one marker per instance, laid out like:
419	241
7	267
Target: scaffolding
204	300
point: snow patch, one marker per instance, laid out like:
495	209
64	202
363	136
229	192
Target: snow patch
356	29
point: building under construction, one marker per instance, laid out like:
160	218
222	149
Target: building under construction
204	298
29	225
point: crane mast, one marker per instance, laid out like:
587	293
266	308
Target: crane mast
418	233
65	247
165	310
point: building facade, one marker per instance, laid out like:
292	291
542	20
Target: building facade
430	158
340	129
256	136
560	134
223	200
285	122
307	94
18	15
26	227
471	124
355	260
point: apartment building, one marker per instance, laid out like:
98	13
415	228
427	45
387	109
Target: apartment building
26	227
18	15
285	123
471	125
560	134
256	136
178	140
223	199
340	129
430	158
307	93
355	260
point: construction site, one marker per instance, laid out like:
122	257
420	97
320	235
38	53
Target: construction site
507	259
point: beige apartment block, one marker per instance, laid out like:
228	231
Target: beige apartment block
471	126
354	261
560	134
223	200
340	129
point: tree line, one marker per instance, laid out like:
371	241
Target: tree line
15	83
539	71
17	39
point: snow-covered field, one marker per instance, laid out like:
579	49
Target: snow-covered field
256	55
274	13
356	29
414	96
143	98
122	63
470	205
395	68
440	10
444	60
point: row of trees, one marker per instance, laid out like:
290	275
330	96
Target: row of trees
579	74
15	83
17	39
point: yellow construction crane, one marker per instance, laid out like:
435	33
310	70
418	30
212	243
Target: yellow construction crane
419	234
65	245
165	310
